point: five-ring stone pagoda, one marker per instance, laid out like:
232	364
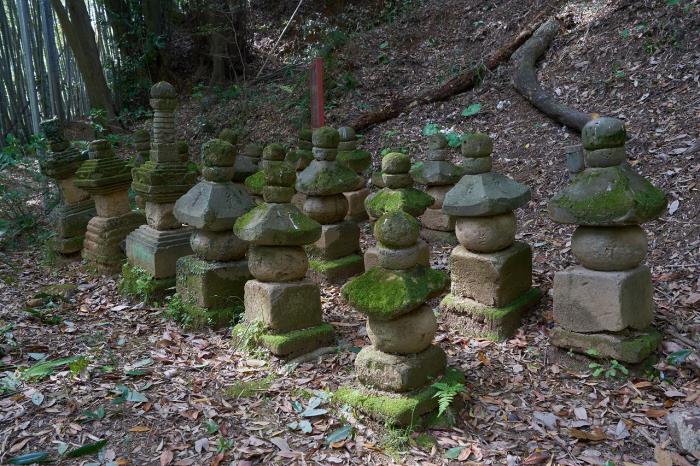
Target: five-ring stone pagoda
604	307
491	283
76	208
359	161
156	246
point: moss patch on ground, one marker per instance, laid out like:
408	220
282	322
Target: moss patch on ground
298	341
250	388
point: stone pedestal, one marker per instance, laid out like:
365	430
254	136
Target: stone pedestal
359	161
107	179
335	256
491	285
76	209
279	298
605	306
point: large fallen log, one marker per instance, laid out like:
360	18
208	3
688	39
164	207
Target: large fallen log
526	83
457	85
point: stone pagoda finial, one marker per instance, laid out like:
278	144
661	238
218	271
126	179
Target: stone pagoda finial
606	303
76	209
335	254
288	305
213	278
359	161
491	283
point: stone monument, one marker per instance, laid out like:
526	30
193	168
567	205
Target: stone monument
76	208
300	159
156	246
359	161
212	279
287	305
142	147
107	178
334	257
491	285
604	307
255	181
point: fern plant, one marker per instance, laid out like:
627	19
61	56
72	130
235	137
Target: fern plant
445	394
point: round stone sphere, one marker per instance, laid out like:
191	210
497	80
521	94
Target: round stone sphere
609	248
252	150
218	245
486	234
280	174
437	141
326	209
397	230
326	137
229	135
218	153
396	163
408	334
603	133
477	145
163	90
277	263
347	133
274	151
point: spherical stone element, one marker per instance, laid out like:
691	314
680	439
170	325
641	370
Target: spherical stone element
475	166
605	157
603	133
609	248
163	90
322	153
325	137
437	141
347	133
277	263
397	229
438	194
477	145
274	151
306	134
400	259
410	333
280	174
229	135
396	163
218	153
326	209
221	246
486	234
218	174
252	150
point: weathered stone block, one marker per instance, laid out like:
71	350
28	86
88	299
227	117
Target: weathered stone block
627	346
211	284
103	239
336	241
410	333
113	204
161	217
494	279
157	251
594	301
399	373
356	204
72	220
434	219
371	255
336	270
298	342
283	307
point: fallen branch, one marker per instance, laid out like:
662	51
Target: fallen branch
525	78
312	356
457	85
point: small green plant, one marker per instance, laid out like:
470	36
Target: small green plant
136	282
246	335
445	394
611	371
396	440
223	445
78	366
247	389
186	313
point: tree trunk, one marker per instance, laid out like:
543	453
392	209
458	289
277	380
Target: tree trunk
23	11
54	75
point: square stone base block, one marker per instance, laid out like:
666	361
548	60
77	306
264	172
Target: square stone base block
356	204
393	408
439	237
157	251
596	301
67	246
628	346
103	239
399	372
337	240
72	220
298	342
372	256
480	321
335	271
283	307
211	285
434	219
494	279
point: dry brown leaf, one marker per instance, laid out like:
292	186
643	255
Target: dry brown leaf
595	435
166	457
140	429
662	457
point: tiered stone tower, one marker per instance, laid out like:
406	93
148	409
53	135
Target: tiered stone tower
359	161
142	146
402	363
606	304
439	174
288	305
76	208
107	178
300	159
213	278
247	162
255	181
335	255
491	284
399	191
160	181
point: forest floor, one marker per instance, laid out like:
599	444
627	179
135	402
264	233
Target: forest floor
162	394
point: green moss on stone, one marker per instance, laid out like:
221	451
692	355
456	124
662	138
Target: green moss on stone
643	344
194	317
255	183
409	200
386	294
326	179
298	341
138	283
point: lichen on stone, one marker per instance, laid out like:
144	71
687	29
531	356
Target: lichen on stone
255	183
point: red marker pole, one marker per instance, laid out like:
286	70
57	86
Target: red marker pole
316	86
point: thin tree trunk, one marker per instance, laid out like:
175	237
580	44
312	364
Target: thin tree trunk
23	10
54	73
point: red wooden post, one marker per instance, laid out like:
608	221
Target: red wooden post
316	86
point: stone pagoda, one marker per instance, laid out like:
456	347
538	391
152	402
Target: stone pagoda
439	174
300	159
212	279
107	178
359	161
396	372
156	247
253	176
398	193
491	285
335	255
142	147
604	307
287	305
76	209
